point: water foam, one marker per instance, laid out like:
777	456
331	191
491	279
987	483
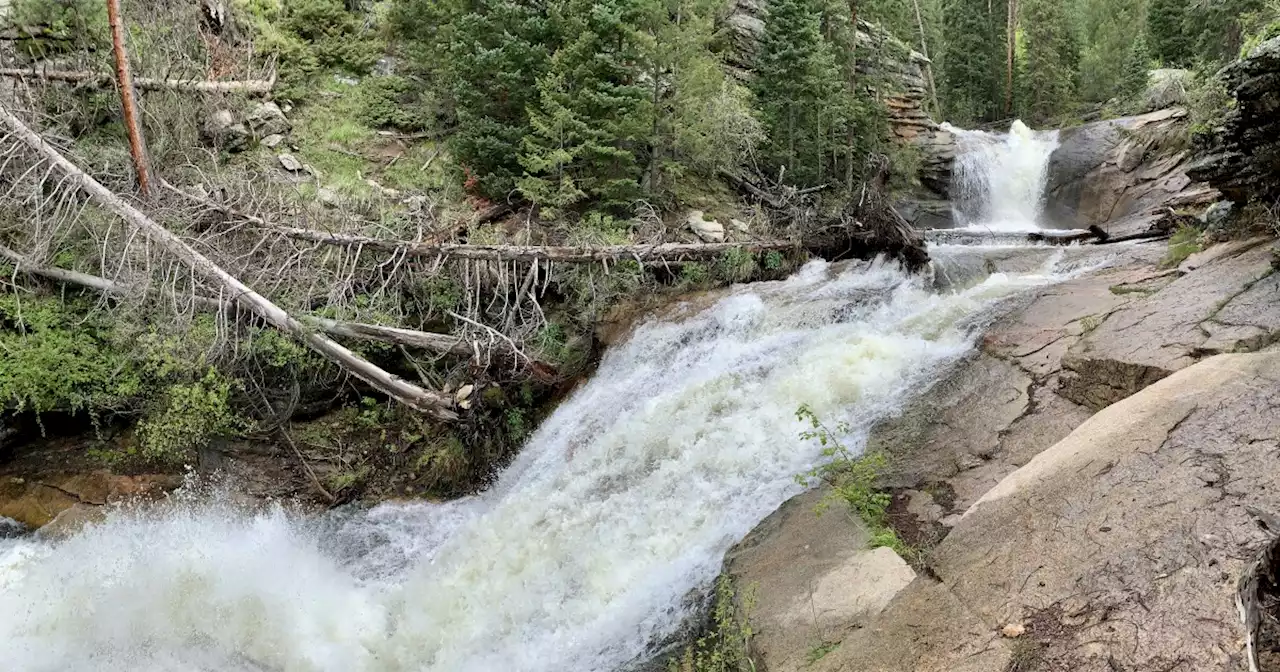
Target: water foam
998	179
582	556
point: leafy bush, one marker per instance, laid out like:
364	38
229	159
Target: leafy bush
1184	243
726	646
56	359
191	416
852	479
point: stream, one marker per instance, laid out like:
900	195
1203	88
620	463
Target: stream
593	546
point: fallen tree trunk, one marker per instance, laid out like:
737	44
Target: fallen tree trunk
441	405
101	81
568	254
445	344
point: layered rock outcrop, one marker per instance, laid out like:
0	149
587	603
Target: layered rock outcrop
1242	152
1072	539
895	71
1123	174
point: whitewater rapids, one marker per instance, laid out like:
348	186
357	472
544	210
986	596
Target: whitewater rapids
592	546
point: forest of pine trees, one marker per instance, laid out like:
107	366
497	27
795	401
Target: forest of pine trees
580	103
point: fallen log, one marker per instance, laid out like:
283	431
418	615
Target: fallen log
102	81
568	254
1154	234
436	403
444	344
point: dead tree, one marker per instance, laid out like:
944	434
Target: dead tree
128	99
101	81
436	403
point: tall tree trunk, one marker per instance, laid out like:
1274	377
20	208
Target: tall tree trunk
1012	40
851	134
924	50
128	103
441	405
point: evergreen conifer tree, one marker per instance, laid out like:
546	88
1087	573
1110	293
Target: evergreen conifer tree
1137	68
1050	64
974	53
1166	28
487	57
593	116
802	97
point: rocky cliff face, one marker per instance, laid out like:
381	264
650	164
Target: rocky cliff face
1123	173
892	69
1088	471
1242	153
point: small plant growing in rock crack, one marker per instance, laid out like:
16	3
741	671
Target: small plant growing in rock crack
726	645
852	479
820	651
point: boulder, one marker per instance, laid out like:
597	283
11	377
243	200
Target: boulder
1166	88
813	580
1238	155
290	163
221	130
708	231
265	119
1122	170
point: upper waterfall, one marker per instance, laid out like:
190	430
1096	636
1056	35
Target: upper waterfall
998	181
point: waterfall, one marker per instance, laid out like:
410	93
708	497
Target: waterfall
998	179
584	554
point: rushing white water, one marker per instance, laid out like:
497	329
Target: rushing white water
998	179
584	554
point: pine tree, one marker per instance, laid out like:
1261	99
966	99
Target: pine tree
594	115
487	57
801	94
1137	68
1214	29
1051	60
974	74
1107	28
1168	40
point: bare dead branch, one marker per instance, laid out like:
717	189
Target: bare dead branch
101	81
436	403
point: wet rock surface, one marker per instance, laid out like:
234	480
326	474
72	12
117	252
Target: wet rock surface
1121	172
1074	539
1226	304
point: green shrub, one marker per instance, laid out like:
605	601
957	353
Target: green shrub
852	479
726	646
190	416
55	358
391	101
64	25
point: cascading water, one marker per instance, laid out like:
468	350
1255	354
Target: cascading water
583	555
998	180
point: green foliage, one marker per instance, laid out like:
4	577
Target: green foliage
820	651
190	416
1108	31
487	58
54	358
337	36
975	51
804	104
593	115
1166	20
726	646
1052	56
1183	243
852	479
63	25
1137	69
773	260
392	101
